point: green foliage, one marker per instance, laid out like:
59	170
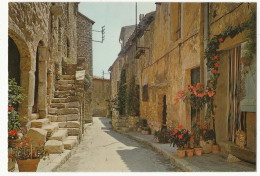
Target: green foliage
132	102
15	95
13	122
207	134
250	37
122	93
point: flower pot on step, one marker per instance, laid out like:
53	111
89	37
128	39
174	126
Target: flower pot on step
190	152
206	146
28	165
181	153
198	151
215	149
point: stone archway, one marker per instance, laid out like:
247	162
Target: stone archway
23	71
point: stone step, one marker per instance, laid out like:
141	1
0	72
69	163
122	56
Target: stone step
72	117
121	124
67	77
122	120
65	111
65	82
69	124
35	116
73	131
52	111
51	128
73	98
123	129
70	142
39	123
54	146
64	87
74	104
52	118
59	135
64	94
59	100
37	135
58	105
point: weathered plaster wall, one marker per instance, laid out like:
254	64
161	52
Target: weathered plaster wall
170	62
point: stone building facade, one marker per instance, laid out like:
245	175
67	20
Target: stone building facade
101	96
44	59
176	40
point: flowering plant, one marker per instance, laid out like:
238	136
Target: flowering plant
207	134
13	134
179	137
197	96
197	133
26	149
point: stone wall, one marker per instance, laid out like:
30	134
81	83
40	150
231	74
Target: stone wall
101	95
29	25
167	71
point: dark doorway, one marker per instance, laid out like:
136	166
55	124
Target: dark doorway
35	106
195	78
13	61
164	112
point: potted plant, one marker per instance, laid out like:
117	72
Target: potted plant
207	139
162	135
196	133
28	155
180	138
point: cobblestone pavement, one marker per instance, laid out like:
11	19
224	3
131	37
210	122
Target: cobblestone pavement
105	150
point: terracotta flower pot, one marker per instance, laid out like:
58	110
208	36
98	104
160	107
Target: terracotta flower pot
181	153
215	149
206	146
190	152
198	151
28	165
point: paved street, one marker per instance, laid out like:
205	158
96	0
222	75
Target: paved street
105	150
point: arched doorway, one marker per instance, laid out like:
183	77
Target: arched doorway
35	106
13	61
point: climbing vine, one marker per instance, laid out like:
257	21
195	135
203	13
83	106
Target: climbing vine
132	98
121	95
212	53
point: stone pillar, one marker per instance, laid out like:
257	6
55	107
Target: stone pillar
42	88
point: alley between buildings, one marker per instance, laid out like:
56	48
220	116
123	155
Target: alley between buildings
102	149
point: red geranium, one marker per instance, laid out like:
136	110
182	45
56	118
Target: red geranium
204	131
220	39
180	127
198	123
175	131
180	136
204	127
10	108
13	132
215	57
214	72
216	65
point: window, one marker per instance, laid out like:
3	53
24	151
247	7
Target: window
175	21
145	93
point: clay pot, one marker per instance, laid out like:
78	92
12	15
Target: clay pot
28	165
206	146
190	152
215	149
198	151
181	153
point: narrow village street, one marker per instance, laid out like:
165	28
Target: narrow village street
105	150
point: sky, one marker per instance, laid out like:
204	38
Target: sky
112	15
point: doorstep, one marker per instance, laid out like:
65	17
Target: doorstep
204	163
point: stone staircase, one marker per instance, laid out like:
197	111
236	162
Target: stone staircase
61	127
